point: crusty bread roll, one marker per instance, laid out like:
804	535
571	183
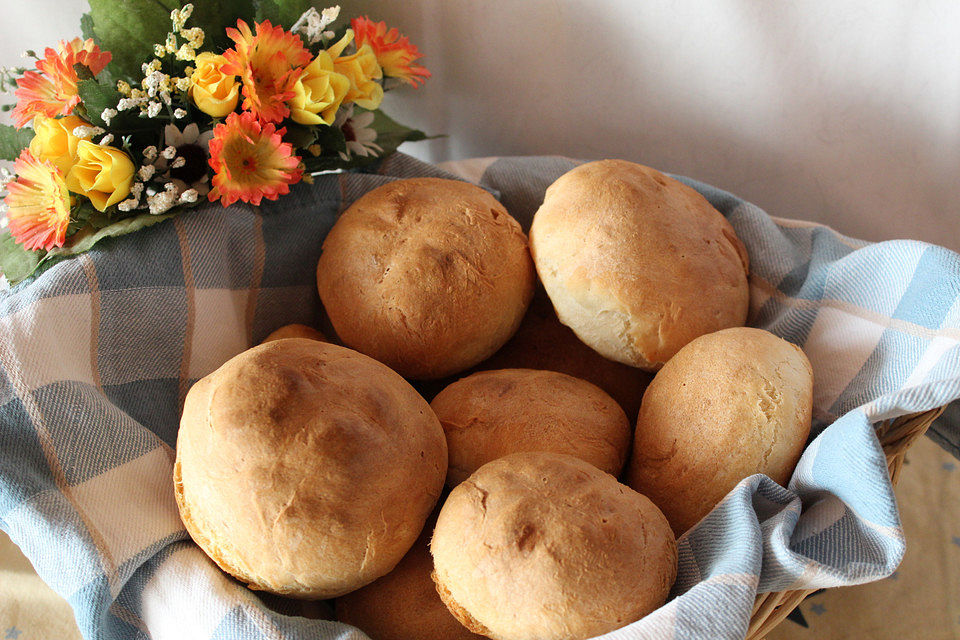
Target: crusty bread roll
637	263
404	604
730	404
296	331
428	276
491	414
306	469
543	342
546	546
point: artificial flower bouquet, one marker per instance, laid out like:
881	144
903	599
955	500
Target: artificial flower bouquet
156	109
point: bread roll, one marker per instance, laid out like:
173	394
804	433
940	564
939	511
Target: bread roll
491	414
306	469
730	404
546	546
404	604
296	331
637	263
543	342
428	276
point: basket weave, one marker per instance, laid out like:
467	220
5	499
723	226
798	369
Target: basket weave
896	436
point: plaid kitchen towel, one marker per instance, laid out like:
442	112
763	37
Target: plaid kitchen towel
97	353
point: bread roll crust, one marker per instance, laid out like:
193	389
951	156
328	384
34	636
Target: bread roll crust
637	263
730	404
491	414
306	469
428	276
295	331
544	545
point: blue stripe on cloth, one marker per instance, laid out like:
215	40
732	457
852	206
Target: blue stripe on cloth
148	258
141	334
22	457
246	622
96	614
89	434
888	367
933	290
718	609
221	243
874	278
154	404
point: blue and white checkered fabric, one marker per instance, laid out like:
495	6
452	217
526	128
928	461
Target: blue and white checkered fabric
98	352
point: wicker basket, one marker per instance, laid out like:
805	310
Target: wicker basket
896	436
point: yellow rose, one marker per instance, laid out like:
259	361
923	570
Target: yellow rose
214	92
361	69
103	174
53	140
318	92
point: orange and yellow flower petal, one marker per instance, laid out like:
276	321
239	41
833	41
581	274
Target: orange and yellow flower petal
269	64
53	140
395	53
361	69
251	161
101	173
38	204
318	92
52	89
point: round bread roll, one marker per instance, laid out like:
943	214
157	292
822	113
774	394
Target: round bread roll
306	469
404	604
296	331
491	414
544	545
730	404
428	276
637	263
543	342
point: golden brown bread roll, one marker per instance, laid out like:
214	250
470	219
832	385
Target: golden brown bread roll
428	276
543	342
404	604
637	263
491	414
306	469
296	331
546	546
730	404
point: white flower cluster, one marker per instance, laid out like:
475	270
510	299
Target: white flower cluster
155	189
312	24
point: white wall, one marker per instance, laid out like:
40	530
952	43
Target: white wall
845	113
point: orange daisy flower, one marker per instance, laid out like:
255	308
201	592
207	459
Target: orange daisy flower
269	64
53	91
395	53
38	204
251	161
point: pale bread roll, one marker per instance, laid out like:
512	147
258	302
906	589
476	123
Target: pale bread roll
404	604
296	331
637	263
491	414
428	276
543	342
546	546
306	469
730	404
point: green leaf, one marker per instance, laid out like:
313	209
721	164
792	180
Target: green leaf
17	263
331	140
300	136
391	134
95	98
215	17
13	141
281	12
84	239
128	29
86	28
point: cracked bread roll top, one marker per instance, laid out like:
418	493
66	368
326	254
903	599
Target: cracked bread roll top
636	263
730	404
547	546
306	469
428	276
491	414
